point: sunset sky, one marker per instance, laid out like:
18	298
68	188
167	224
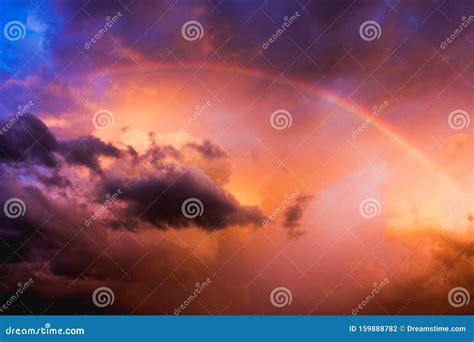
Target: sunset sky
322	158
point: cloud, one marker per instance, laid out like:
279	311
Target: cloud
157	199
207	149
86	151
27	140
293	215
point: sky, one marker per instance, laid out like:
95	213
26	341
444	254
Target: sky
236	157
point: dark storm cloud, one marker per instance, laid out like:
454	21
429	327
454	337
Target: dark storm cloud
294	213
158	199
207	149
86	151
27	139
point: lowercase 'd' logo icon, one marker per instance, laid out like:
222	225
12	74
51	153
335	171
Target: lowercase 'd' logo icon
14	208
103	296
370	30
281	297
459	296
459	119
370	207
14	30
103	119
192	30
192	208
281	119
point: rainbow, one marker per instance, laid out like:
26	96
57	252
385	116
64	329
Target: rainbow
321	93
